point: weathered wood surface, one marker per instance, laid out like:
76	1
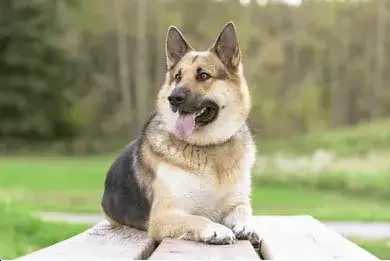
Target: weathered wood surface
99	242
175	249
283	237
304	238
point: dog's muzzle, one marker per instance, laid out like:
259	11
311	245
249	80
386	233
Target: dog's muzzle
183	100
192	110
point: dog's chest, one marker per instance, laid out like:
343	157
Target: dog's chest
194	193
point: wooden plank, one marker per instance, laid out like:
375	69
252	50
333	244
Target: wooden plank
175	249
304	238
99	242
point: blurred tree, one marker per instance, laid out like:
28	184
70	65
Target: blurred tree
122	50
379	64
34	72
317	65
141	77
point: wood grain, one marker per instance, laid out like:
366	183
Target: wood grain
304	238
99	242
175	249
283	237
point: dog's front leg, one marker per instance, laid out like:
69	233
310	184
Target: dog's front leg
176	224
239	220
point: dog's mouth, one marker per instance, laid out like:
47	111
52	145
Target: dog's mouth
205	116
187	120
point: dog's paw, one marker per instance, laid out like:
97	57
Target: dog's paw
217	234
245	231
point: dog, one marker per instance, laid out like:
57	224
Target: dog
187	175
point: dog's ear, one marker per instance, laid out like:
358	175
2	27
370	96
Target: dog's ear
226	46
176	46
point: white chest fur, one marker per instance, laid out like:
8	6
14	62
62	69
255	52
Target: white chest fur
199	194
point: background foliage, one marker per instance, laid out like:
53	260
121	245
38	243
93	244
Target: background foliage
80	77
86	73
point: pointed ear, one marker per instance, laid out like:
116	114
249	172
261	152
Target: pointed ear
226	46
176	46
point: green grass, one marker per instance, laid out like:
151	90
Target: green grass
22	233
323	205
379	248
354	140
270	199
76	185
53	173
54	183
370	185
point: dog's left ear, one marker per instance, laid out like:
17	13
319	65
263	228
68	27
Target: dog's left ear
226	46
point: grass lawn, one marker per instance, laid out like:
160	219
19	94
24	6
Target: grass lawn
381	249
323	205
22	233
353	140
54	183
76	184
362	184
54	173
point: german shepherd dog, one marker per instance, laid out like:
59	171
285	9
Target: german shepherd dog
187	175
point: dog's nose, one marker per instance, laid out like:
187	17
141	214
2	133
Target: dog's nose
178	96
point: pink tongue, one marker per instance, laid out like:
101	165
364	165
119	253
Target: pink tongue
185	125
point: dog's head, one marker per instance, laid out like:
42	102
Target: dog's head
205	98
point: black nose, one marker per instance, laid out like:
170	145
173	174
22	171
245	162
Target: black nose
178	96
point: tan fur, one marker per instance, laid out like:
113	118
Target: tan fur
200	187
145	174
219	161
232	94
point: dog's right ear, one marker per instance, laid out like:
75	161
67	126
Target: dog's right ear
176	46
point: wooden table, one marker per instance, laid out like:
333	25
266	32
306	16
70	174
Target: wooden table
283	237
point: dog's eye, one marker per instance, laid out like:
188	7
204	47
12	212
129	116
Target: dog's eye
203	76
